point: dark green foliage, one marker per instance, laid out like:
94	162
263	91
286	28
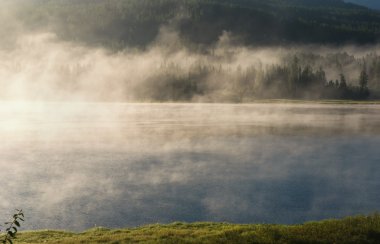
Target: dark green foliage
340	90
302	78
375	4
12	227
121	23
363	80
343	83
117	24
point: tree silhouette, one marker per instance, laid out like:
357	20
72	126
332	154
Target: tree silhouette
363	80
343	83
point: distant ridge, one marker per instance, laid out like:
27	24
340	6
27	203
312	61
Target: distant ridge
374	4
136	23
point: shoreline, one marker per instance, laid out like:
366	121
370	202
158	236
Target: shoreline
358	229
258	101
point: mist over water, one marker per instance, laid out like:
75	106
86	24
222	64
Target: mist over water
42	67
41	61
74	155
74	166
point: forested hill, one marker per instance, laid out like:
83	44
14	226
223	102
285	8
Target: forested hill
375	4
136	23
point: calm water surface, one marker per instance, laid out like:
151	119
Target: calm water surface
74	166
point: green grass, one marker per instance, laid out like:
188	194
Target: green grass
360	229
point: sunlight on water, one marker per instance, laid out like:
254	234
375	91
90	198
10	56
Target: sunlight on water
76	165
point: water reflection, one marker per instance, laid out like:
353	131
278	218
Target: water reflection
73	166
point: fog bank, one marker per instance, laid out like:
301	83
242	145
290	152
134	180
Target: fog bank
42	67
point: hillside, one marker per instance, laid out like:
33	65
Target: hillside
375	4
136	23
189	50
362	229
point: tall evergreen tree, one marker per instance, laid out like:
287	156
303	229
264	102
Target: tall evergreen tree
363	80
343	83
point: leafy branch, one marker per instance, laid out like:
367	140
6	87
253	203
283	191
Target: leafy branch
12	226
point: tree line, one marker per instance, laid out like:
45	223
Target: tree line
296	77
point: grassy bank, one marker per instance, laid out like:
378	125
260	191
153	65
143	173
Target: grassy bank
360	229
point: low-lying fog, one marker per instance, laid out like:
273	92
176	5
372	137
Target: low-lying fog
74	166
73	155
40	67
37	64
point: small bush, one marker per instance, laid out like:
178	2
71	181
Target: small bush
12	227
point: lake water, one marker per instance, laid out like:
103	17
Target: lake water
76	166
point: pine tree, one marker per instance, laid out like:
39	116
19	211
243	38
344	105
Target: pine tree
343	83
363	80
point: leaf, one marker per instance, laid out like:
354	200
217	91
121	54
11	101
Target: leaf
17	223
15	229
11	233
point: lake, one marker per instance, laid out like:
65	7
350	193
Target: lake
74	166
